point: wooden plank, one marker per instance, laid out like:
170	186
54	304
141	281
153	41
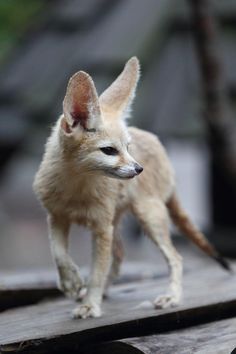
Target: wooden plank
34	77
25	288
216	337
173	98
122	27
223	10
209	295
72	14
37	67
28	287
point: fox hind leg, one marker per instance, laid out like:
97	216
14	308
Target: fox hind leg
117	258
153	216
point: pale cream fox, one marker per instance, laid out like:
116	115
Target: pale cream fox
91	173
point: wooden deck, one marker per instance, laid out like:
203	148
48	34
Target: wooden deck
203	323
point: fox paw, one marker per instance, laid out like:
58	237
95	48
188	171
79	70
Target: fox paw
87	310
71	284
165	301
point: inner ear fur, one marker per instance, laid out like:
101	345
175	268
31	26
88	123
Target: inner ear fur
65	126
81	103
120	94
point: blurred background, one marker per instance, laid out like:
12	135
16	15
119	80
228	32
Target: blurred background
186	95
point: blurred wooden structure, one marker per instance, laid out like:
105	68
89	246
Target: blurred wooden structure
217	111
99	36
203	323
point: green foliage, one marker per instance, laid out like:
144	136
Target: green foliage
15	17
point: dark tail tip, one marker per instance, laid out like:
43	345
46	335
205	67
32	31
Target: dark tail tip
224	263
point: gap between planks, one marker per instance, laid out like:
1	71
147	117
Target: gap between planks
210	295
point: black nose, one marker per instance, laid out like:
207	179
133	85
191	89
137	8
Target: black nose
138	168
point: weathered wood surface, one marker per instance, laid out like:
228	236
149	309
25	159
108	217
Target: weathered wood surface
25	288
28	287
213	338
210	295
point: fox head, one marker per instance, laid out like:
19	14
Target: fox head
94	127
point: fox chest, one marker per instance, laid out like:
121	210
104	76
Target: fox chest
87	211
87	205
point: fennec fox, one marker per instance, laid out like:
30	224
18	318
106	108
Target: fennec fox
87	177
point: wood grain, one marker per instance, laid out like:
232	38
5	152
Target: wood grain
25	288
216	337
210	295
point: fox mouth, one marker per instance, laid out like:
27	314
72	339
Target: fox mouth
122	175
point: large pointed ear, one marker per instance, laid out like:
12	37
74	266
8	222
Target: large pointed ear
119	96
81	104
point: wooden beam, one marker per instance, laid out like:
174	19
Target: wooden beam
220	124
210	295
26	288
215	337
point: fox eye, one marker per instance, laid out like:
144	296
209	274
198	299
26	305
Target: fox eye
109	150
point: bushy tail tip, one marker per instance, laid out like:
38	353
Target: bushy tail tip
183	222
224	263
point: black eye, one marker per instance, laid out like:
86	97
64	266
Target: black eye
109	150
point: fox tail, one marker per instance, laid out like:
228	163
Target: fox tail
184	224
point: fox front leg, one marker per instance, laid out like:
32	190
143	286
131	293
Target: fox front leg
117	258
69	282
102	249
